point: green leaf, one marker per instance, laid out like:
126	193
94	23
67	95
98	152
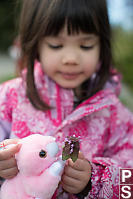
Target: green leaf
66	151
65	157
74	155
71	148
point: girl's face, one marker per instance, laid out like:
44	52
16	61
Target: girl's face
70	59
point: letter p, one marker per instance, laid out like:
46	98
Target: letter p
126	174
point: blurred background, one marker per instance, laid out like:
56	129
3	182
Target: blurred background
121	18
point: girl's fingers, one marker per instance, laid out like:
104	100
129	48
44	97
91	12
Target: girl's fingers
69	189
71	172
76	174
9	152
7	164
9	173
69	184
11	141
80	155
69	181
80	164
79	176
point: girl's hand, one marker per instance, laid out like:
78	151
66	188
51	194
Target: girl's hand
8	166
76	175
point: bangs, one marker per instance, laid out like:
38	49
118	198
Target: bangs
40	18
75	15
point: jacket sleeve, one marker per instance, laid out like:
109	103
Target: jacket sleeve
118	153
5	111
5	116
5	129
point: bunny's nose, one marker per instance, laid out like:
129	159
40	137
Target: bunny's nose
52	149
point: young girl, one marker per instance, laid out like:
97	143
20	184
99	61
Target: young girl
67	88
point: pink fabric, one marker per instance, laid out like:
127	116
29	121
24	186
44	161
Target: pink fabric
37	177
104	125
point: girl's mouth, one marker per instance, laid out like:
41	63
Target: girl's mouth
70	76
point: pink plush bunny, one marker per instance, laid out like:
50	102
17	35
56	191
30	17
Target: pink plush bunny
39	170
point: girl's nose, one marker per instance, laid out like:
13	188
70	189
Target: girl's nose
70	58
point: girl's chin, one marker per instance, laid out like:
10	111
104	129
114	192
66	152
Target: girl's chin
68	86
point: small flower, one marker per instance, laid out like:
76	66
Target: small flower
71	148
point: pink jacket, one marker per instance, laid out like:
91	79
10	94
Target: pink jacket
104	125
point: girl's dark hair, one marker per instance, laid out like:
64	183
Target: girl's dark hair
40	18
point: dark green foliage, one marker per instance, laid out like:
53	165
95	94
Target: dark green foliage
8	21
6	78
123	54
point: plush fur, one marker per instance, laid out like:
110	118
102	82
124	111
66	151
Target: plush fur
38	177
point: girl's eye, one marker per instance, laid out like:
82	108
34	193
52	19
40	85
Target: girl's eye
86	47
43	154
55	46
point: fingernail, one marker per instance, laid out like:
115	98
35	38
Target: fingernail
10	146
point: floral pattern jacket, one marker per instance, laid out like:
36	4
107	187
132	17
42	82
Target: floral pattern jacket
104	125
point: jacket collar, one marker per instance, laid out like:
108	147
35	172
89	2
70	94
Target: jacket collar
62	99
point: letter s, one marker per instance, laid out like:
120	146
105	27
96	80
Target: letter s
128	193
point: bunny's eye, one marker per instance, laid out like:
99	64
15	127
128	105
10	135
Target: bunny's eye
43	154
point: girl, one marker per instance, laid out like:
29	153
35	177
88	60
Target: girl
67	88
